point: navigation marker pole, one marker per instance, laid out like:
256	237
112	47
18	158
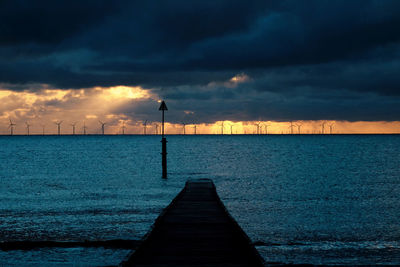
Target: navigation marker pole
163	107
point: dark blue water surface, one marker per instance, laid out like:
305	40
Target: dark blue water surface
320	199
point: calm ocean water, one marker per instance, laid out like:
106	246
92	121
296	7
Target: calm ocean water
308	199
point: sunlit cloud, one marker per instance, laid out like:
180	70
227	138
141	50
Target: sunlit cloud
237	79
91	116
85	105
125	109
123	92
232	82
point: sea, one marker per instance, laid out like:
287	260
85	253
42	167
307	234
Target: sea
302	199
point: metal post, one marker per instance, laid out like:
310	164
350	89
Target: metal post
164	157
163	107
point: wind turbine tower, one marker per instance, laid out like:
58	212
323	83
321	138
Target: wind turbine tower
156	125
291	127
258	127
123	128
11	127
27	128
43	128
331	128
298	128
266	128
231	129
145	127
195	129
222	128
323	127
84	128
184	128
73	127
103	124
58	123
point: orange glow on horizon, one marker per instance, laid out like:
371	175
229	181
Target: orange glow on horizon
88	106
298	127
270	127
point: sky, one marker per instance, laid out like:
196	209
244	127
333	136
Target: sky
220	62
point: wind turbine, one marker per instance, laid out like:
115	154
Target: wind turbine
291	127
73	128
323	127
298	128
144	127
195	129
27	127
184	128
84	128
123	127
58	123
156	125
266	128
331	128
258	127
43	127
11	127
102	126
231	129
222	128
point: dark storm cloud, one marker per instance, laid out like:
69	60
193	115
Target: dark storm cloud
308	104
314	59
48	22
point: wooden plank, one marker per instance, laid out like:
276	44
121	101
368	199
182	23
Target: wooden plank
195	230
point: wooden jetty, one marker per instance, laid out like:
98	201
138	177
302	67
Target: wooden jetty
195	230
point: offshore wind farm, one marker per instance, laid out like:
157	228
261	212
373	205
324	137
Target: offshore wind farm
147	127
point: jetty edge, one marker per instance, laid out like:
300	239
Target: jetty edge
195	229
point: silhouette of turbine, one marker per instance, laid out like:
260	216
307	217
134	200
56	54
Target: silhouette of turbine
257	127
298	128
123	128
84	128
102	126
145	127
291	127
184	128
73	127
11	127
266	128
27	127
43	127
323	127
331	128
156	125
58	123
